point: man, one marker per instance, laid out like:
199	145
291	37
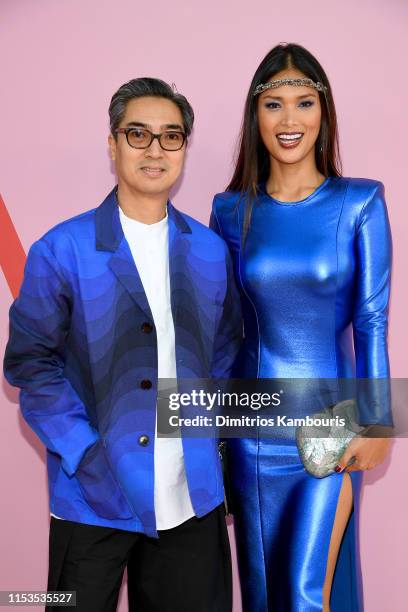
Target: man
113	300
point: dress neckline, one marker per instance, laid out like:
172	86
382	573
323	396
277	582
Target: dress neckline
305	200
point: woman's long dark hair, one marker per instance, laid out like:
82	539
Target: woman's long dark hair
252	165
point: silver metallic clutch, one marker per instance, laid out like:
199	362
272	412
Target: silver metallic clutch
323	443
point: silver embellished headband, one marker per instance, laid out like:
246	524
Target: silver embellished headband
305	82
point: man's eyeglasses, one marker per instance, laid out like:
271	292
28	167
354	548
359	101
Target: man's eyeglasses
140	138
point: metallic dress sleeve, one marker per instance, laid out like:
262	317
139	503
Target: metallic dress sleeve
373	250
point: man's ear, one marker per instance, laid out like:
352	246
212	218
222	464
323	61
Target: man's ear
112	146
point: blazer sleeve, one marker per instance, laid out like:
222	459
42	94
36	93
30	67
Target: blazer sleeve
229	335
34	359
370	316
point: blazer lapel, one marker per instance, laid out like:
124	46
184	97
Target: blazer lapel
110	237
122	264
179	248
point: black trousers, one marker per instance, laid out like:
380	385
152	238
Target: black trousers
187	569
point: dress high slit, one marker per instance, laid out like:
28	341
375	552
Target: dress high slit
283	531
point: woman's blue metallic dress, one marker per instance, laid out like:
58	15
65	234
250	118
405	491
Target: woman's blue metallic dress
314	278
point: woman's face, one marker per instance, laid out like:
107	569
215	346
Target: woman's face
289	119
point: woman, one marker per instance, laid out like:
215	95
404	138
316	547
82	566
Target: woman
312	254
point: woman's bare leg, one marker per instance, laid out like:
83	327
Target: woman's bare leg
343	511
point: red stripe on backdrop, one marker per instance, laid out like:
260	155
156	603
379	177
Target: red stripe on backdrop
12	255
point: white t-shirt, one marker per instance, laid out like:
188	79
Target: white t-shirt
149	245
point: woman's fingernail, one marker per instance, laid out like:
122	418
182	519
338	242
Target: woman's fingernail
337	468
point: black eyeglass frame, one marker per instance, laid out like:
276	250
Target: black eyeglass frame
152	137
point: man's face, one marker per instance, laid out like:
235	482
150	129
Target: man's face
152	171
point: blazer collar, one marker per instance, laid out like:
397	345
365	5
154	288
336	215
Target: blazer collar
110	237
109	232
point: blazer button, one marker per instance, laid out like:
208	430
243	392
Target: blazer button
144	440
146	327
146	384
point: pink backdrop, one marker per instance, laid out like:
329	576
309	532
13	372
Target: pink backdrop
61	62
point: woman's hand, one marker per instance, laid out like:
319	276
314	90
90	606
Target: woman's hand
369	452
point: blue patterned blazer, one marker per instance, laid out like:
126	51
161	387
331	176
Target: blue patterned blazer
83	350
